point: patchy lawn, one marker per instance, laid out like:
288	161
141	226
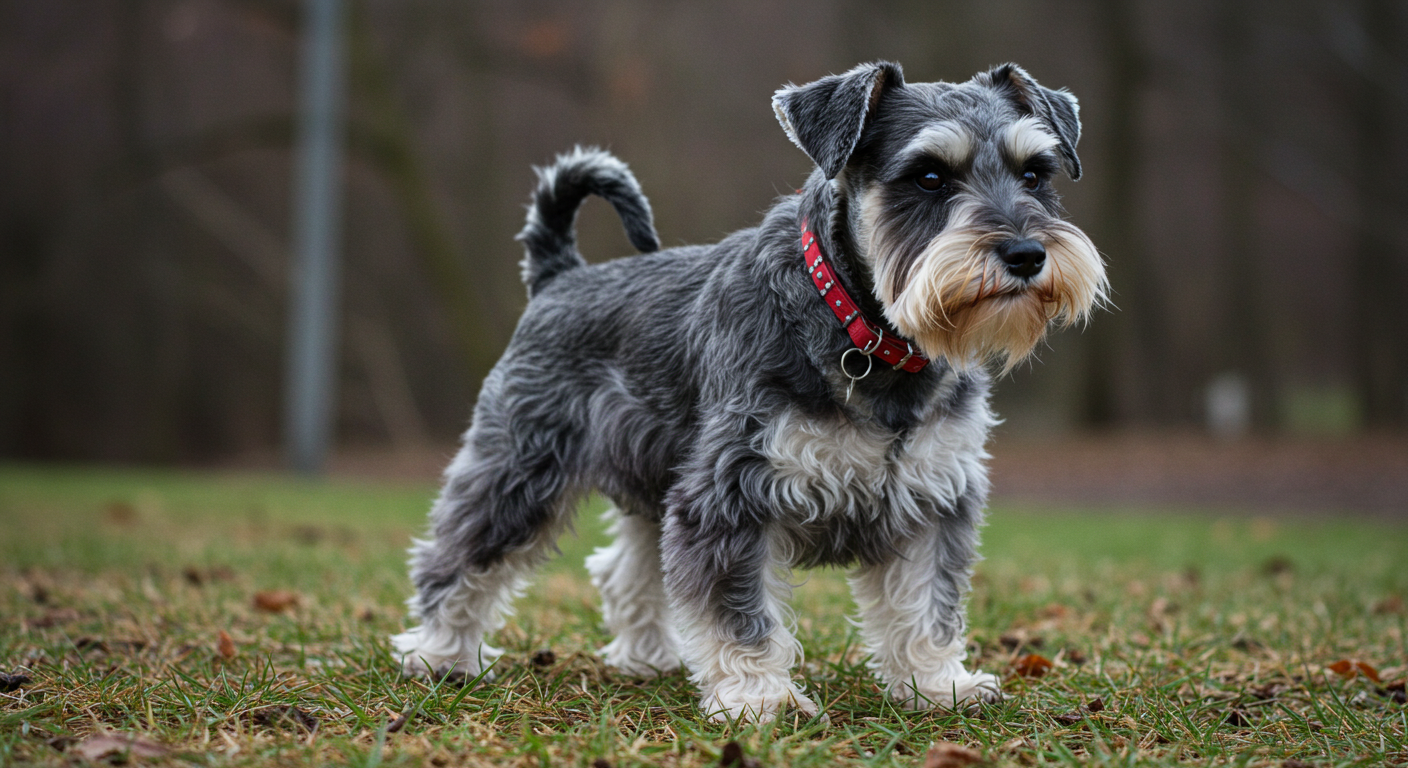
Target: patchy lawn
161	618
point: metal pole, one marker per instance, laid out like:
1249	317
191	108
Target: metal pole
311	365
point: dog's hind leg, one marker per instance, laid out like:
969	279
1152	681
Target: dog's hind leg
633	602
911	616
506	499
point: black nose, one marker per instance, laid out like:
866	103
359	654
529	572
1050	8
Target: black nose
1023	258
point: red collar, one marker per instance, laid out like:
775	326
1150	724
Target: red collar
868	339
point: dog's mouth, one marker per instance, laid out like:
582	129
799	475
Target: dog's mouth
963	302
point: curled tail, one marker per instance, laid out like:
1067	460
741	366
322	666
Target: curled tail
550	238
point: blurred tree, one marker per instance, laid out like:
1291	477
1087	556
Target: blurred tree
1380	312
1135	294
1245	344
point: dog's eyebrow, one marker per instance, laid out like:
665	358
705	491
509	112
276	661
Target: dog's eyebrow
949	142
1026	138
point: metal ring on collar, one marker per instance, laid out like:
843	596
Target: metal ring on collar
869	363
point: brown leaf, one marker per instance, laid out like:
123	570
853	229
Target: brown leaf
1393	604
732	755
55	617
1068	718
283	716
945	754
544	658
1348	668
275	600
1161	607
1032	665
90	644
130	746
225	645
1096	704
121	513
1267	691
1018	639
1396	693
399	723
601	762
14	682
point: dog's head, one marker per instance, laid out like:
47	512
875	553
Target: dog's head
946	190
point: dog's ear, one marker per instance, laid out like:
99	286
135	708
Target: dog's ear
1058	109
825	118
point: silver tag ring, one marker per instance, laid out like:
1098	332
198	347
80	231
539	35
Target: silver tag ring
869	364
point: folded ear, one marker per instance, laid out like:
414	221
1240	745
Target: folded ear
825	118
1059	110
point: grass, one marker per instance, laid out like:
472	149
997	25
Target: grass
1206	639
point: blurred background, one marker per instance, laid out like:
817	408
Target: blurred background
1245	164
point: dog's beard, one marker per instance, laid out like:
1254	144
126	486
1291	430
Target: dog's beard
956	299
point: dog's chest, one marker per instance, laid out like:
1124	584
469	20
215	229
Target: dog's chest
828	467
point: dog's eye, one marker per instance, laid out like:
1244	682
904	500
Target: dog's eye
932	181
1030	180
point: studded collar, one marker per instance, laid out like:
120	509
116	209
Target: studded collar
869	340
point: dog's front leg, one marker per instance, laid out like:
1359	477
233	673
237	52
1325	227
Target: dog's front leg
728	590
911	616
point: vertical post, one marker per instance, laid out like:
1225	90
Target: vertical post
311	364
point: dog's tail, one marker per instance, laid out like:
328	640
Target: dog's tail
550	238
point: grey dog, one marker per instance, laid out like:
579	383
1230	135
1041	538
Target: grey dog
811	391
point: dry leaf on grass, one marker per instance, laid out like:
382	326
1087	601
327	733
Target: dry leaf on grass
1096	704
125	745
398	721
1032	665
55	617
945	754
13	682
225	645
1391	605
732	755
1068	718
121	513
284	716
1395	692
1348	668
275	600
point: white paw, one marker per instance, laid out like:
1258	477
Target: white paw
753	699
424	653
961	690
640	657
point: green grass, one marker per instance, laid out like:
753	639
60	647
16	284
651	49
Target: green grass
115	587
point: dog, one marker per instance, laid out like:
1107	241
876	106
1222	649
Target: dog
812	391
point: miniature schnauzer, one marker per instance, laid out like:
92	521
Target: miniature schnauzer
808	392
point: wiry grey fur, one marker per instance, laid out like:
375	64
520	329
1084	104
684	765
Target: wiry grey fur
700	388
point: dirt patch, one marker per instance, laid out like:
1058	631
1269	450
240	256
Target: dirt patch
1363	475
